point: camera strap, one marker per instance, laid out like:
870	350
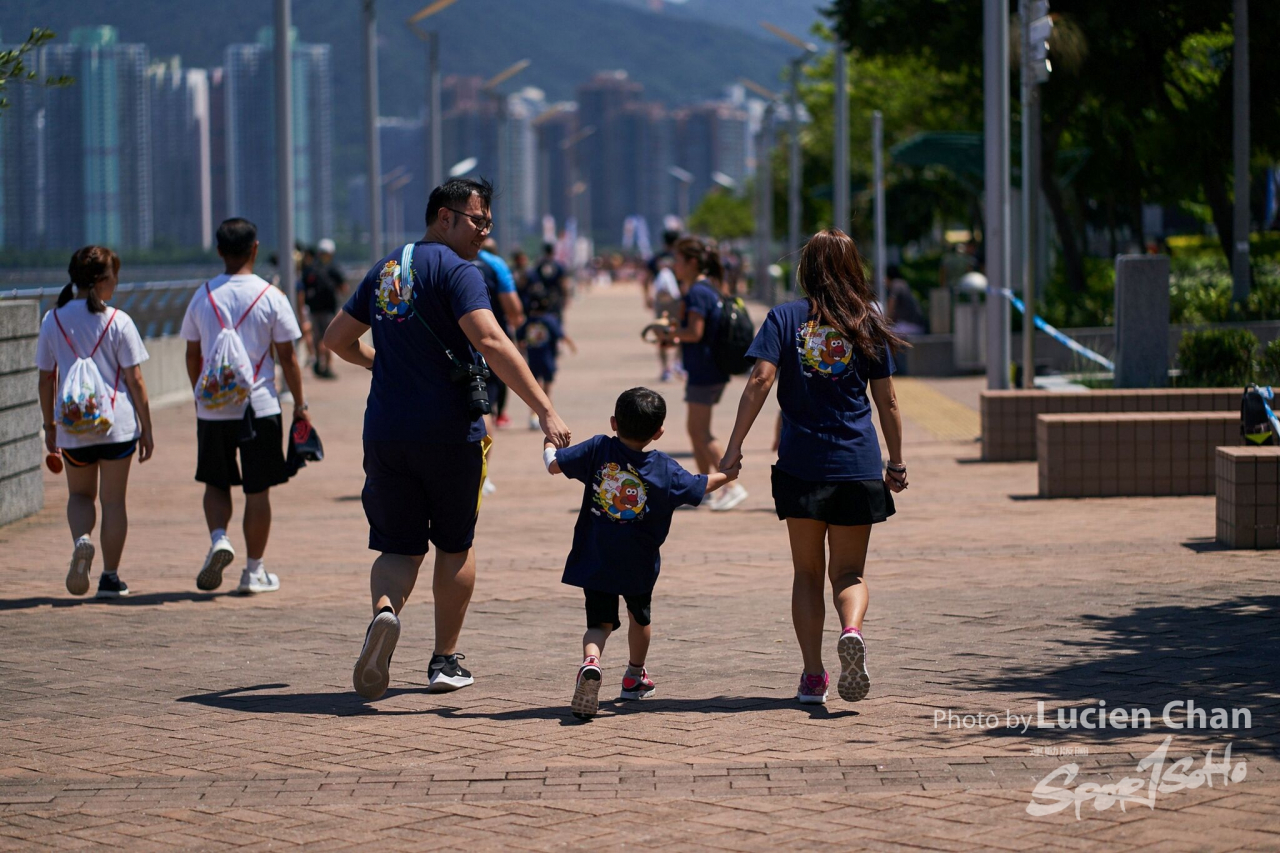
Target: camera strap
406	286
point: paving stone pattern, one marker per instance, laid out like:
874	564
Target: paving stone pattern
183	720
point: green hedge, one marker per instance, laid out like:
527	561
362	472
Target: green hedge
1217	358
1270	368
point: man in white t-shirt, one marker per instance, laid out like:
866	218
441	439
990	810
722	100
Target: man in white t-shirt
263	317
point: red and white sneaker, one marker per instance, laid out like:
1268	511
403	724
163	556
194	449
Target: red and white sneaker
637	686
586	692
813	689
854	681
502	420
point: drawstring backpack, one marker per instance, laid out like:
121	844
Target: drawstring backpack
85	407
227	377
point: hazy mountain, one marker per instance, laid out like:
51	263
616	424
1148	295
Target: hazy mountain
795	16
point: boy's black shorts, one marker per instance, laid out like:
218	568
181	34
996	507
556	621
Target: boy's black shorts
261	459
602	608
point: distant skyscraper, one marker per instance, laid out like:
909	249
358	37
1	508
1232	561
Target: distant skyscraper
218	145
555	179
97	143
711	138
250	137
22	167
600	102
469	125
643	186
180	155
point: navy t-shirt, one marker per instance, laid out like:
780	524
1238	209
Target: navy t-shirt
626	512
827	433
541	336
411	397
698	361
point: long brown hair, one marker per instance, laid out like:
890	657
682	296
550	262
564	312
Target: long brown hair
832	276
89	266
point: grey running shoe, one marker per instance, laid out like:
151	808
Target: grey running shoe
373	668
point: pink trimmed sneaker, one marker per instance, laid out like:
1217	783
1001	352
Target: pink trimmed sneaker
813	689
586	691
854	681
637	687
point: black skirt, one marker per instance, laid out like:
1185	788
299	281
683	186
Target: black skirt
846	503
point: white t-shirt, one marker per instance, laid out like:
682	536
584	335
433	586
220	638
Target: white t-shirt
270	321
121	348
665	286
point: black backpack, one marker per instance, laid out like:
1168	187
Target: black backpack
733	336
1257	420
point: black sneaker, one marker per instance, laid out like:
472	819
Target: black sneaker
446	674
110	586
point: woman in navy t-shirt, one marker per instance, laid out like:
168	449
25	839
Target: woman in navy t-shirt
699	318
826	351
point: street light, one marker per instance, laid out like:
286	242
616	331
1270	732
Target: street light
457	170
503	199
724	180
793	127
686	180
764	191
435	137
374	151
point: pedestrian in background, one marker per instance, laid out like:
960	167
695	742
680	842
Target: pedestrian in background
96	433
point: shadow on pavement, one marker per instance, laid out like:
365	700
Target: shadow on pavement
134	600
1224	654
1205	545
347	704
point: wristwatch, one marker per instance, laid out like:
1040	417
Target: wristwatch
301	407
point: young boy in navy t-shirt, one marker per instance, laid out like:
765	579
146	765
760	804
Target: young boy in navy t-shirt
627	505
540	337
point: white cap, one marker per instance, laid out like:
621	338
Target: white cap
326	247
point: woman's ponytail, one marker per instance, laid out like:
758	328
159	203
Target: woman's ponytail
68	293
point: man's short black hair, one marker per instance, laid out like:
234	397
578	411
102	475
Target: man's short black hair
669	238
236	237
640	413
456	192
548	248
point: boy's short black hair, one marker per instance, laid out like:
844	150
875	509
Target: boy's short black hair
236	237
640	413
456	192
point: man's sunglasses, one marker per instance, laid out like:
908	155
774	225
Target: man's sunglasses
482	223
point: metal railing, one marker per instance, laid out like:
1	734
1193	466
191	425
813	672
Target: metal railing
157	307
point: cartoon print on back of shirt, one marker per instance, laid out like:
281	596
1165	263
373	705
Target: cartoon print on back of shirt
536	334
393	304
620	493
824	351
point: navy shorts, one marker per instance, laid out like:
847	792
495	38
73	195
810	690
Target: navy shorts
79	457
421	493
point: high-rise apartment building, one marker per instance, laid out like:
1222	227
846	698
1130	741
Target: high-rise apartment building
96	147
711	138
251	154
218	145
600	102
180	150
22	167
554	131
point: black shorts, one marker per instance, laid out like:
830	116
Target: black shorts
845	503
261	458
602	608
420	493
705	395
80	457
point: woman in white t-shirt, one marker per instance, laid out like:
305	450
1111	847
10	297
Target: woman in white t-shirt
97	463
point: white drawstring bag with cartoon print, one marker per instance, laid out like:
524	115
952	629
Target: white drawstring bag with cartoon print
227	376
85	405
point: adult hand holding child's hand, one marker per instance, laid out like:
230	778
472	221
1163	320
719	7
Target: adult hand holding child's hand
556	430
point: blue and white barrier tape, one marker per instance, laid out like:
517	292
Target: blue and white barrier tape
1078	348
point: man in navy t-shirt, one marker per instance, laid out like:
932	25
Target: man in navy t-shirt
424	437
629	497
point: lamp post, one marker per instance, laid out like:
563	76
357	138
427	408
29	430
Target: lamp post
685	177
284	144
995	234
503	198
877	158
842	140
795	166
1240	275
374	153
764	192
434	135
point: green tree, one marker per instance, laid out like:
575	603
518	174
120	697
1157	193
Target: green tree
13	65
1150	100
723	216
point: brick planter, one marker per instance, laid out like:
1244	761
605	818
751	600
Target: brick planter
1248	492
1009	417
1154	453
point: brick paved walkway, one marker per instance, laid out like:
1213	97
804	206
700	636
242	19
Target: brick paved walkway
181	720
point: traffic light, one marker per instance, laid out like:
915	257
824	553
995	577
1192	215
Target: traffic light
1038	41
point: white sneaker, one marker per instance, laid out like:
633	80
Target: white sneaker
733	496
218	558
81	562
259	581
488	488
533	423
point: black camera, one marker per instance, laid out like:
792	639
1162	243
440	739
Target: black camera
473	376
